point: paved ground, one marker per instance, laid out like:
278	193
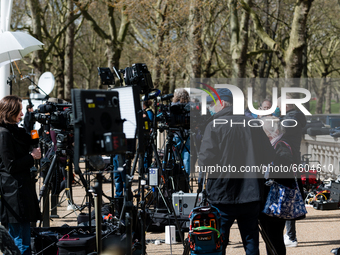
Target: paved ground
317	234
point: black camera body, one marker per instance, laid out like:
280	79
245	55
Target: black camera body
59	116
138	75
173	115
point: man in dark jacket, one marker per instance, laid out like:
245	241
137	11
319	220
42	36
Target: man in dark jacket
294	121
28	125
237	146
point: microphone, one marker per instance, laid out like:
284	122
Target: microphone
34	134
154	94
35	138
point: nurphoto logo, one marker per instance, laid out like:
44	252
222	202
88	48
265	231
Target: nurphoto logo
238	99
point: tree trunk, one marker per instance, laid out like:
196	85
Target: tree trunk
166	80
38	55
291	59
293	55
115	38
172	79
195	48
263	79
69	46
59	80
328	97
239	40
321	94
158	55
305	72
157	72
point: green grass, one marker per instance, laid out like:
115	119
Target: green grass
335	107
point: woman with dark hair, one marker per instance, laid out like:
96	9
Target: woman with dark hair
274	227
19	203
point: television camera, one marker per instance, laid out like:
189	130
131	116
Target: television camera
59	116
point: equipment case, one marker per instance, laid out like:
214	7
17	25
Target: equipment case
77	245
184	202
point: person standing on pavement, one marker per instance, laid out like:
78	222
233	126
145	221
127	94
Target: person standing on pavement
237	195
19	203
295	121
28	125
273	226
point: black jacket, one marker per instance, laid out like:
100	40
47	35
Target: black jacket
284	157
28	126
236	146
19	201
293	134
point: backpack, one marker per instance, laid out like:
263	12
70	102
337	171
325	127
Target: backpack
204	232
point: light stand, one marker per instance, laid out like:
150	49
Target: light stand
36	86
97	191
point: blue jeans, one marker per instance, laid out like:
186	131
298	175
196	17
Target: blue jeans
291	230
185	153
247	219
21	234
119	176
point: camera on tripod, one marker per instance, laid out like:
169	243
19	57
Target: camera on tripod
59	116
138	75
173	115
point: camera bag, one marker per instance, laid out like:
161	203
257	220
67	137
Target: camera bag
77	244
204	234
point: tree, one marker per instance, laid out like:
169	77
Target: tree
49	26
239	39
195	49
291	57
113	37
69	51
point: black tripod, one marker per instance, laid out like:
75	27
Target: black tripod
63	150
128	209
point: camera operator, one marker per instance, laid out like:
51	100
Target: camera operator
18	198
181	96
28	125
148	116
147	110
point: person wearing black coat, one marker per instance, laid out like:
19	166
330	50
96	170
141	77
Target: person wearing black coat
19	203
294	121
274	227
237	195
28	125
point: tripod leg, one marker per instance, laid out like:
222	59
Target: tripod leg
98	207
44	194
